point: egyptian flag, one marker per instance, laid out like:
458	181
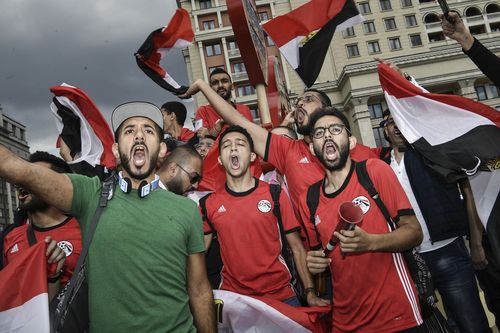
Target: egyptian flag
177	34
304	34
24	300
457	137
214	174
238	313
82	127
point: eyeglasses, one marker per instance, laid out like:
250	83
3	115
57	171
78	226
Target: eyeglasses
334	129
307	99
194	177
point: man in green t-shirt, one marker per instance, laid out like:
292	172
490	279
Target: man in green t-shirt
146	269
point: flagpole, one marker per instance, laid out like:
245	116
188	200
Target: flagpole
265	118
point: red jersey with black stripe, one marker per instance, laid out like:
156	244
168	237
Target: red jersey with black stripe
372	291
249	240
209	116
68	237
186	134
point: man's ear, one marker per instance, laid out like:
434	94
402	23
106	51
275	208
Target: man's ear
252	156
163	150
218	159
352	142
311	148
116	153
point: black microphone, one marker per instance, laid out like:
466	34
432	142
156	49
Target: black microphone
350	215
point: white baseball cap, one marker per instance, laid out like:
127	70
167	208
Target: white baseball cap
136	109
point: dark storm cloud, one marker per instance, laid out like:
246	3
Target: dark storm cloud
88	44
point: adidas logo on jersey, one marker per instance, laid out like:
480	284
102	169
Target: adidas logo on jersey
221	209
304	160
14	249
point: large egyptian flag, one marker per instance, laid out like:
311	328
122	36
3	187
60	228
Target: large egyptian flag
458	137
304	34
24	301
177	34
214	174
238	313
82	127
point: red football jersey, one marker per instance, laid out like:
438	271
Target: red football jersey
67	235
186	135
372	291
209	116
249	240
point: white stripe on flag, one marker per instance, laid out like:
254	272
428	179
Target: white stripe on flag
412	115
30	317
485	187
291	51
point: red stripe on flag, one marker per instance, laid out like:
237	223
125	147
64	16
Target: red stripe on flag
93	117
24	278
396	85
302	20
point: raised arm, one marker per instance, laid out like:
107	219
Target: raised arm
230	115
201	298
54	188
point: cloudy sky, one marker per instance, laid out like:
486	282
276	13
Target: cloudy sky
88	44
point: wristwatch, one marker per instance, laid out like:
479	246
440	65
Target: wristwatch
55	278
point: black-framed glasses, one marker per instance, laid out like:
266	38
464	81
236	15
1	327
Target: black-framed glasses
334	129
307	99
194	177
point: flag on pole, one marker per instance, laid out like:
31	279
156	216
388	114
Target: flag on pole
238	313
304	34
177	34
457	136
24	301
82	126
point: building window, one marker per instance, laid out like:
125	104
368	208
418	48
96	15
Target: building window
385	5
264	16
390	23
394	43
349	32
373	47
406	3
380	140
494	93
213	49
411	21
375	110
231	45
204	4
481	93
352	50
239	67
246	90
369	27
207	25
415	40
364	8
23	134
269	40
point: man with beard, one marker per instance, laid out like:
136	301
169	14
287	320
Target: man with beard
292	158
49	224
444	218
207	121
181	170
146	267
242	215
372	289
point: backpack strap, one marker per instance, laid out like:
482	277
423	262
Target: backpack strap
275	190
365	181
312	201
30	233
203	206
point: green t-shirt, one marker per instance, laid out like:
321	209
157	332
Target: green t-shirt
137	260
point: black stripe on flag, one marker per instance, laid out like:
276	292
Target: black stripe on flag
312	54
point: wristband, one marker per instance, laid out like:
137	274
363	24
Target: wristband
55	278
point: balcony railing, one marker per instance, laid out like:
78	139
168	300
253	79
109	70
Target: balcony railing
233	53
240	76
494	16
475	19
433	26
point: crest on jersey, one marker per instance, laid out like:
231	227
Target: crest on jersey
362	202
264	206
66	246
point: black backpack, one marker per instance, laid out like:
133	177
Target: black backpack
214	261
416	265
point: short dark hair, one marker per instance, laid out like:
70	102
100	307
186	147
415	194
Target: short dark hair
325	100
219	70
178	109
329	111
238	129
291	133
158	130
57	164
181	155
385	115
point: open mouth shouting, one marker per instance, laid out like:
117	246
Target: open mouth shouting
139	155
300	115
235	162
330	150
